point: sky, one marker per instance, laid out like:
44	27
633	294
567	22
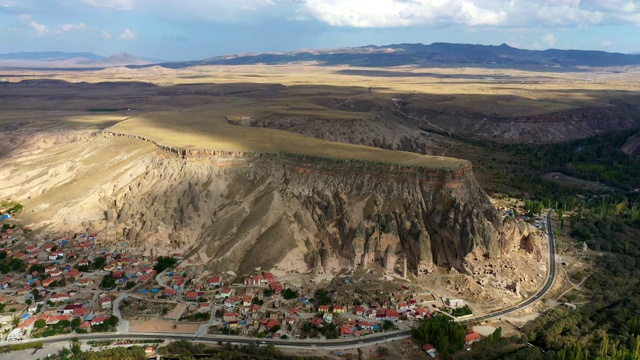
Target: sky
199	29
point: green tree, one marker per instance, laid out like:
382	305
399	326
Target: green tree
76	322
39	324
164	262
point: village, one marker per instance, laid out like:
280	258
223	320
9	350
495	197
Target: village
70	284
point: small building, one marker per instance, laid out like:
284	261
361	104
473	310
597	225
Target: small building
191	296
430	350
215	281
59	297
345	331
105	303
16	334
225	293
472	337
98	320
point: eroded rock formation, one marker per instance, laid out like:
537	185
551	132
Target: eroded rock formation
239	211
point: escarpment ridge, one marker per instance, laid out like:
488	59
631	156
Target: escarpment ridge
233	210
448	171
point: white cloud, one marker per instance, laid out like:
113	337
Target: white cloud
509	13
70	27
42	29
380	13
39	28
550	40
128	35
111	4
106	35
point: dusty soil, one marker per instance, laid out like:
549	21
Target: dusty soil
162	326
140	309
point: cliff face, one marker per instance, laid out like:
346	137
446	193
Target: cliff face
632	146
236	211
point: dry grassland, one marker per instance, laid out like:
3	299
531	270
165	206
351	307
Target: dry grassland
512	92
201	130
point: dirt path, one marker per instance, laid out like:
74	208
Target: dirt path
574	286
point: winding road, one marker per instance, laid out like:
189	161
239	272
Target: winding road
545	289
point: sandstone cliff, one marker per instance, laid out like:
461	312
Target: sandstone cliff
238	211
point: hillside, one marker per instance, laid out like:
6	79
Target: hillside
59	59
433	55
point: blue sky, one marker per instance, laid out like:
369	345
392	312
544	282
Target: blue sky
197	29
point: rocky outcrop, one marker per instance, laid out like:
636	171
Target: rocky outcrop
238	211
406	123
632	146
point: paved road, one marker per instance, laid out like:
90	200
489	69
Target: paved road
326	344
545	289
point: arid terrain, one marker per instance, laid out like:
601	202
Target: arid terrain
297	169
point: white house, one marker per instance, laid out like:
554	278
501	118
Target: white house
15	335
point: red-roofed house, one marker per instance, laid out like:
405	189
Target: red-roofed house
259	280
83	262
430	349
85	282
392	315
57	318
105	303
192	296
225	293
472	337
98	320
80	312
345	331
230	316
271	324
75	273
215	281
69	309
246	299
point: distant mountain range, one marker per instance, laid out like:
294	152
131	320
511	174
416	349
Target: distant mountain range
434	55
58	59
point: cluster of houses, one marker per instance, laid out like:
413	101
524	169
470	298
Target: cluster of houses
242	310
65	266
63	308
67	262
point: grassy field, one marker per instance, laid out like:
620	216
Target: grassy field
504	92
202	130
